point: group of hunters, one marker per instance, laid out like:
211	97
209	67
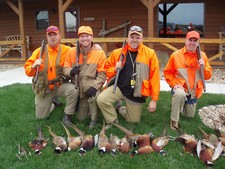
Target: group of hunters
131	74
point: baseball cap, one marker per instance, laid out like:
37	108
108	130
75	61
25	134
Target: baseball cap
193	34
85	29
135	29
54	29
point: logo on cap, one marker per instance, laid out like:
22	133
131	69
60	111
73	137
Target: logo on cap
54	29
135	29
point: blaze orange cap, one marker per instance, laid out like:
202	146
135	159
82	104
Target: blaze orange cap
85	29
193	34
54	29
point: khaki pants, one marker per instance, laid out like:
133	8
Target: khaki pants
106	100
67	90
179	106
88	106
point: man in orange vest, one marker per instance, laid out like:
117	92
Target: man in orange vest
50	82
183	74
138	79
90	71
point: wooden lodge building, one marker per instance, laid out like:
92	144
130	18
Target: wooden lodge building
23	24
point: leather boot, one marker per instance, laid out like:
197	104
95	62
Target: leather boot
67	120
173	125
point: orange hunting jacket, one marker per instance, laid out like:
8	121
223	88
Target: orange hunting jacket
147	69
52	61
92	73
183	68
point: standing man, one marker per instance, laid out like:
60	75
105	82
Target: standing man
91	73
50	82
183	74
139	78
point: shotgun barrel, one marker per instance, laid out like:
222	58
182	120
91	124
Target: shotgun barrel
40	56
201	67
118	69
77	62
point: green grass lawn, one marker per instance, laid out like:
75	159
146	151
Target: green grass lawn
18	126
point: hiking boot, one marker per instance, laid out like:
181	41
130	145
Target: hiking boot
109	125
174	125
118	105
57	102
67	120
123	111
92	124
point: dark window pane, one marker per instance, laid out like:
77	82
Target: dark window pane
42	20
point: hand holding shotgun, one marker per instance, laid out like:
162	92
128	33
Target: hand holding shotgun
201	66
40	57
118	69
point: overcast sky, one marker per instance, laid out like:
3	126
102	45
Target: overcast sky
186	13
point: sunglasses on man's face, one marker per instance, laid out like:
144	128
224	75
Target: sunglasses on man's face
136	28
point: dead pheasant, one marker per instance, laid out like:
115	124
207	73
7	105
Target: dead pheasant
124	146
58	141
143	141
158	143
87	140
188	141
220	133
211	137
22	152
103	141
73	142
207	152
39	143
115	144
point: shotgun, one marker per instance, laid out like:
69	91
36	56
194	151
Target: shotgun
41	54
77	62
201	67
118	69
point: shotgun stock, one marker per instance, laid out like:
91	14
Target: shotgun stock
201	67
118	69
38	67
77	62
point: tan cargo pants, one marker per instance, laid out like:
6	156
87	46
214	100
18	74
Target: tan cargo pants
88	106
106	100
179	106
67	90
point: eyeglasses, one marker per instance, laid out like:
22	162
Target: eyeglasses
136	28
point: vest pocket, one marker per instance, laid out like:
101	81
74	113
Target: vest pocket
145	91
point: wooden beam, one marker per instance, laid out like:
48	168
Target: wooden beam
216	56
153	2
151	40
150	4
221	63
62	7
169	46
66	4
22	32
13	6
61	19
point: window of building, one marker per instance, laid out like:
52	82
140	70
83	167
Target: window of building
72	22
175	20
42	20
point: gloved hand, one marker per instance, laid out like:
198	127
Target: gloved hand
91	92
74	71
